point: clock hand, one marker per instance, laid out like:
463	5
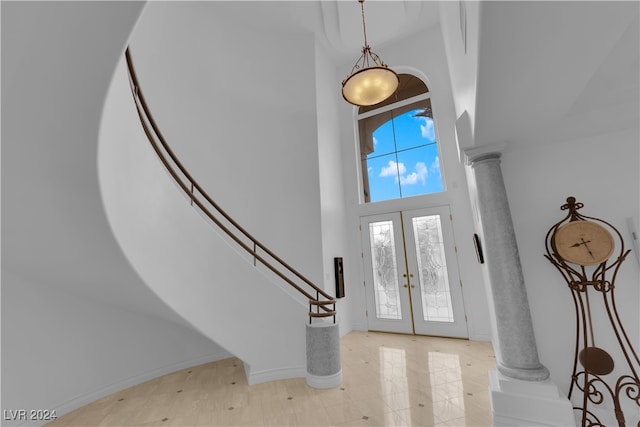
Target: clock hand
587	246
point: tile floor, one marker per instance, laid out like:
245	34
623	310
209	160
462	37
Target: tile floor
389	380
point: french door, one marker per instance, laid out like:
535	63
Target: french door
411	273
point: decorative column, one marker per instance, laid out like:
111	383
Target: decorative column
521	393
518	355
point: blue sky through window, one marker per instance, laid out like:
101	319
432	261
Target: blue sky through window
404	161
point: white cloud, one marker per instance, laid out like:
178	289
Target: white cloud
410	179
427	130
399	172
375	141
436	163
393	169
420	175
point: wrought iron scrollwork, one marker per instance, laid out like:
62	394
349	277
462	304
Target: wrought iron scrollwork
593	368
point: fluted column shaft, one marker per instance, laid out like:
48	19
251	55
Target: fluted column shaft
517	355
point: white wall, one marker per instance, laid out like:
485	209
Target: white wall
246	129
423	54
210	282
333	208
601	172
238	106
61	350
460	29
77	322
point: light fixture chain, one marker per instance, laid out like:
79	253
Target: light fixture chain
366	48
364	26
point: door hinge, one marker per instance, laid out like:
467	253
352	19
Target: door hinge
455	248
450	217
364	283
460	283
366	313
465	318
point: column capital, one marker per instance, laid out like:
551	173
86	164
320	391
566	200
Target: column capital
484	152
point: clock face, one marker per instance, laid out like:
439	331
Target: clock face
583	243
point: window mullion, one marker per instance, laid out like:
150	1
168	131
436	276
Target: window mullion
395	150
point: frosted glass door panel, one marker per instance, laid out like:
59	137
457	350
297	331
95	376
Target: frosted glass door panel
386	285
432	269
385	270
438	305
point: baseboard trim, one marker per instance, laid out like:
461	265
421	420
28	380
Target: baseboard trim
480	337
80	401
264	376
357	326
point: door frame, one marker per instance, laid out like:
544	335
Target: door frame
412	321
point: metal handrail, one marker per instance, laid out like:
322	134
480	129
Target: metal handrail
152	131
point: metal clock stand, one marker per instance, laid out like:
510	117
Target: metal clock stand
592	365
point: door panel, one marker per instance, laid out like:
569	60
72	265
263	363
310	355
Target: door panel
431	258
411	274
388	306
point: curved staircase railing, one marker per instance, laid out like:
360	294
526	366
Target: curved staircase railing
320	305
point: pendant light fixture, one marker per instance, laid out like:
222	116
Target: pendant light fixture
370	81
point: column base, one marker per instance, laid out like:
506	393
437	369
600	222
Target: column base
528	403
540	373
324	381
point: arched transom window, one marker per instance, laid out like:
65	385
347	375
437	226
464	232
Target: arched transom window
398	145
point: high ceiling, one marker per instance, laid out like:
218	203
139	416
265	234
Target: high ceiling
544	69
385	22
338	23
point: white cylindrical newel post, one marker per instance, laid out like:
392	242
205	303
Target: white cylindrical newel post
323	355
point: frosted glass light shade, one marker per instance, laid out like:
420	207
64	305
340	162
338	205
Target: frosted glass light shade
370	86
